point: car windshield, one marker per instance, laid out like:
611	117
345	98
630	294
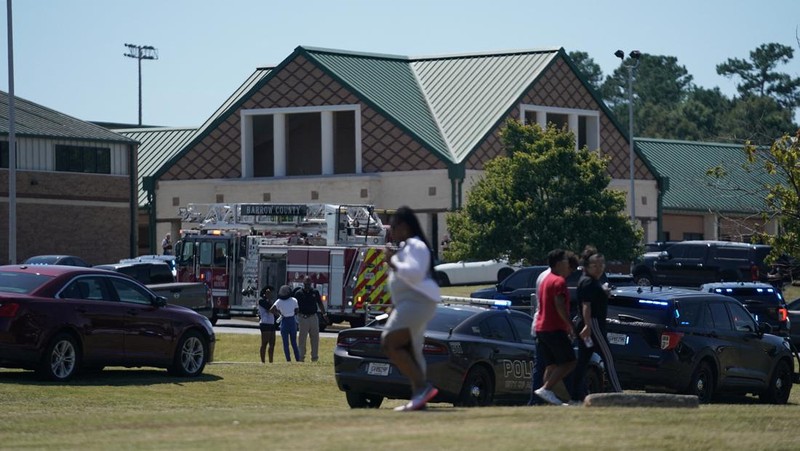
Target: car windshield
448	318
768	296
634	309
23	283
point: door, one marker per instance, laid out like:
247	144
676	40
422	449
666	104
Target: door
753	362
511	362
149	335
683	265
99	316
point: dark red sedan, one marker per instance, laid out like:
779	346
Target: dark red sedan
58	320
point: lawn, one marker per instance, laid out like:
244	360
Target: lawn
240	403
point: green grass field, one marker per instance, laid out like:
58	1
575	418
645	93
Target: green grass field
240	403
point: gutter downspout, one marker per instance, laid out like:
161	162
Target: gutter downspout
134	201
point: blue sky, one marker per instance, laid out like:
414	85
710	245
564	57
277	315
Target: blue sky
68	54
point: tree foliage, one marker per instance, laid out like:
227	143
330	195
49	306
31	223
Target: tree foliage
542	195
588	67
759	76
782	199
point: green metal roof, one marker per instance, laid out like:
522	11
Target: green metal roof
448	102
157	146
33	120
684	165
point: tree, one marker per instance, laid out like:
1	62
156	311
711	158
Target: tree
783	198
542	195
590	70
759	76
758	119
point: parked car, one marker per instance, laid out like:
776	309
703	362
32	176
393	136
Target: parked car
697	343
168	259
475	356
762	300
794	323
693	263
69	260
157	275
472	272
59	320
519	286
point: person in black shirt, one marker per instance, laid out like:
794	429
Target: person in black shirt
309	300
593	299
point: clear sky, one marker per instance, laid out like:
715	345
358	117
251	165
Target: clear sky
68	54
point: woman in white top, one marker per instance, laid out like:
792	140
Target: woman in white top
414	298
266	323
287	307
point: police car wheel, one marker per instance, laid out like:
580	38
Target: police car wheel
357	400
478	389
594	381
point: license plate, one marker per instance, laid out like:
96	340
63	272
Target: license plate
378	369
617	339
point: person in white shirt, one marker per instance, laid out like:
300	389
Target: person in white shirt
286	306
414	298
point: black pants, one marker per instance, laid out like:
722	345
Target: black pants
601	347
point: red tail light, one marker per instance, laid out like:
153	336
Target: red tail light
669	340
434	348
783	314
8	309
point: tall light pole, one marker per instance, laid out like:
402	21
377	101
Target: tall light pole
12	146
141	52
634	55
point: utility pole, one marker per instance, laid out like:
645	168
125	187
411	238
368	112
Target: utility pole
141	52
631	67
12	146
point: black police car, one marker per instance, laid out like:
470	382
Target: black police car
762	300
694	342
476	356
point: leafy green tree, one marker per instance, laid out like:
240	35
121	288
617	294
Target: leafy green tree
783	198
542	195
759	76
758	119
588	68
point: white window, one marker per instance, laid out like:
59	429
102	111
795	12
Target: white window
585	124
279	142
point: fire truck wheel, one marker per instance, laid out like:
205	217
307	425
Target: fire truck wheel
357	322
213	320
191	355
363	400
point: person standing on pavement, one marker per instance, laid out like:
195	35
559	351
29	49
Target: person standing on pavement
553	326
414	298
593	299
166	244
266	323
286	307
309	302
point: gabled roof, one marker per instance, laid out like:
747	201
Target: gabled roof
33	120
157	146
447	102
684	164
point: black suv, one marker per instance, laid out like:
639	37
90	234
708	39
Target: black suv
693	263
762	300
697	343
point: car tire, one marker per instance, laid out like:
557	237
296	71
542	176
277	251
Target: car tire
503	273
780	385
643	279
61	359
191	355
703	384
323	322
595	382
357	400
478	390
441	278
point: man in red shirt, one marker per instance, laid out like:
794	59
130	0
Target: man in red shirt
553	327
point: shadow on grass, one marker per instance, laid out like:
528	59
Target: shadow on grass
113	377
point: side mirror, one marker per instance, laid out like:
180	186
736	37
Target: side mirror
160	301
764	328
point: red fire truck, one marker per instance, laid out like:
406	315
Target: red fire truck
239	248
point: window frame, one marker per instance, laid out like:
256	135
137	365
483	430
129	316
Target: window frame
592	142
82	159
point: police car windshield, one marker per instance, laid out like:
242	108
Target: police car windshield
447	318
629	309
